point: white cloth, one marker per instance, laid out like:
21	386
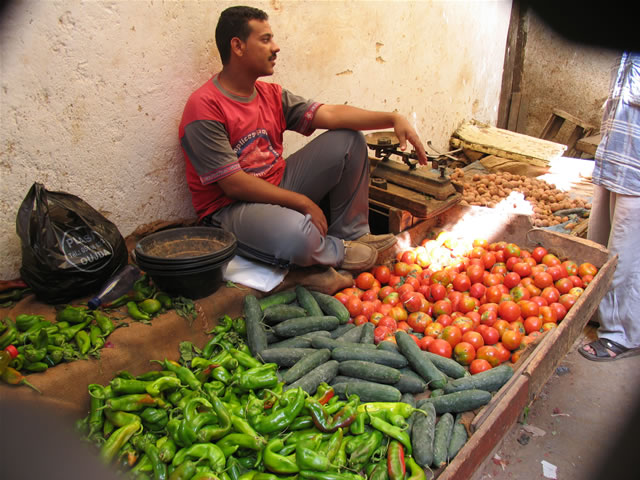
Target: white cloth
256	275
615	223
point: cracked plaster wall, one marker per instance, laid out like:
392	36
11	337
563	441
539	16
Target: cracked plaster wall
91	92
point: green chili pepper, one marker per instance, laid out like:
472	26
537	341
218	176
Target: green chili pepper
358	425
392	431
120	418
399	408
417	472
143	465
301	422
25	321
276	462
70	331
147	444
288	408
395	461
184	471
96	415
312	475
95	336
309	457
127	386
18	362
364	446
72	315
379	471
240	326
57	339
244	359
241	425
255	378
215	388
133	402
234	469
162	384
210	433
33	354
166	449
53	358
164	299
9	335
185	375
340	460
105	323
225	359
134	312
342	418
150	306
154	418
117	439
35	367
330	449
231	442
206	451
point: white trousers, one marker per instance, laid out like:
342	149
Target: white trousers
615	223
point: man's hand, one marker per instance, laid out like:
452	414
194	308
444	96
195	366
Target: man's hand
405	132
317	216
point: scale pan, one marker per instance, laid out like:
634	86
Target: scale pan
382	139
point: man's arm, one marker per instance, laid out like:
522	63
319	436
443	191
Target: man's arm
331	117
247	188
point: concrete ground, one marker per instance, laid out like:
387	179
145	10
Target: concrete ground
575	424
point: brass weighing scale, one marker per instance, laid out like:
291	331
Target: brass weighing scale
405	191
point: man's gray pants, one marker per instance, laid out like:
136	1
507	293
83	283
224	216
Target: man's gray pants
333	166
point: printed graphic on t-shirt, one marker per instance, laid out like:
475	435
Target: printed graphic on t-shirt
255	153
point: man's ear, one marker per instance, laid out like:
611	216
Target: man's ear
237	46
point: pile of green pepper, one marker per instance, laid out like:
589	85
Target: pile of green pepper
76	334
220	413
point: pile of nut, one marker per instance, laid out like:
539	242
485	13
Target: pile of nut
488	190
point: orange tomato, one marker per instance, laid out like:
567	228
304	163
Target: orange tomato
464	353
479	365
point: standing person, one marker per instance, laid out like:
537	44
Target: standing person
231	135
615	214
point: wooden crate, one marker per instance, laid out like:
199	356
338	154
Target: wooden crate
534	369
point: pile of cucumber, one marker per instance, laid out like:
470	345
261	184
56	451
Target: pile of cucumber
308	335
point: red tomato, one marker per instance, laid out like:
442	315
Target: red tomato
382	273
512	250
500	325
548	326
556	272
519	293
419	321
464	353
441	347
522	268
368	308
343	297
509	311
490	354
490	335
550	294
425	341
398	313
360	320
475	272
479	365
388	322
467	303
511	279
384	291
404	288
539	300
494	294
392	299
538	253
401	268
365	280
503	353
587	269
376	317
567	300
561	310
550	260
442	277
404	326
444	320
474	338
412	301
354	306
408	257
442	307
570	267
563	285
474	317
380	333
542	279
370	295
532	324
511	339
438	291
434	329
489	260
548	315
528	308
586	280
452	334
477	290
488	318
465	324
384	308
461	282
580	281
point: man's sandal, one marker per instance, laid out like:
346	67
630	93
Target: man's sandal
600	348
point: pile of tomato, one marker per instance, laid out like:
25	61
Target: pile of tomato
477	302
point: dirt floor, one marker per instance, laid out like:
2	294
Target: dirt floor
574	425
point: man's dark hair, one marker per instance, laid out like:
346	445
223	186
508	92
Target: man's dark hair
234	22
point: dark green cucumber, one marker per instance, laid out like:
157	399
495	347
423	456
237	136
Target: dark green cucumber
353	335
458	438
447	366
301	341
284	357
441	439
421	364
367	333
306	364
390	359
370	371
308	302
330	305
489	380
278	313
410	399
256	334
438	392
330	343
422	432
272	337
388	346
368	391
408	383
345	379
301	325
286	296
324	373
459	402
341	329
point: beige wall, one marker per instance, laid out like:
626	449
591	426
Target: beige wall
562	74
92	92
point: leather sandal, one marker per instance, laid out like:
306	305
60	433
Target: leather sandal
602	346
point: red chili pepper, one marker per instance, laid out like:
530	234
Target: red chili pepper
395	461
14	377
12	284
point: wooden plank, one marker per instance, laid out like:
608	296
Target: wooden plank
511	67
589	145
484	440
504	143
523	115
514	110
552	127
399	197
418	179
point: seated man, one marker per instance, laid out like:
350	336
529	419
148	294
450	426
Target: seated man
231	134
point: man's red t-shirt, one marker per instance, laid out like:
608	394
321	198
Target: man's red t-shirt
221	133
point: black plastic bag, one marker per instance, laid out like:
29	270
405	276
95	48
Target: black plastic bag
69	249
